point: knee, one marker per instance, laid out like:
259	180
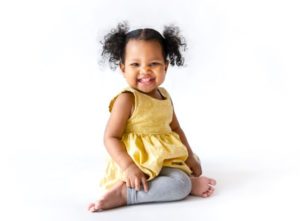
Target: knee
184	186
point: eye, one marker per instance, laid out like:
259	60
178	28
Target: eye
134	64
154	64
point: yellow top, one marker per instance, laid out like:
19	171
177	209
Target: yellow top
148	138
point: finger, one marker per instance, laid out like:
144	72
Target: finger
145	184
137	184
200	170
129	183
196	171
132	184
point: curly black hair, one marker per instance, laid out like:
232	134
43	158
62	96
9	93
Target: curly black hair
171	41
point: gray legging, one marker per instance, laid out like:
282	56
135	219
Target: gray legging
171	184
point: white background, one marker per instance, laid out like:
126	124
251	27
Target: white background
237	100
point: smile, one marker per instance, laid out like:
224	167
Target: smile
145	80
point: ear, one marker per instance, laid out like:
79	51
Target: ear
167	65
122	68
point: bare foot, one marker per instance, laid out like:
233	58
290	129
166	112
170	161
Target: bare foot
115	197
202	186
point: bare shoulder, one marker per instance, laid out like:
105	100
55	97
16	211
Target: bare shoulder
124	103
120	113
124	99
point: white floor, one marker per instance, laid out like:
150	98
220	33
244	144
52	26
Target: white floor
50	186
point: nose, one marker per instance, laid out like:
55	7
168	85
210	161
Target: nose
145	69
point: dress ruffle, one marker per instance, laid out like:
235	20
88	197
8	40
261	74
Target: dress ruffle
150	153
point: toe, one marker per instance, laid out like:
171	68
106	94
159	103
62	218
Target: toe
95	207
212	182
91	207
98	207
204	195
210	193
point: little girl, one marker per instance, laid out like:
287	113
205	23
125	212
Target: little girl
151	160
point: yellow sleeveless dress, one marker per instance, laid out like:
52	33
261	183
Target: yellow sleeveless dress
148	138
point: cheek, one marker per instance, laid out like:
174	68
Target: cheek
161	77
132	77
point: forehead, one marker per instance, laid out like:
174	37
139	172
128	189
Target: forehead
142	48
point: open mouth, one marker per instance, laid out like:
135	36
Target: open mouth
147	80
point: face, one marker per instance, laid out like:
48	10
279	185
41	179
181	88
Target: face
144	67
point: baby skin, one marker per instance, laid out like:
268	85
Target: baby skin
117	196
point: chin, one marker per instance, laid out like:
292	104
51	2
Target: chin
147	90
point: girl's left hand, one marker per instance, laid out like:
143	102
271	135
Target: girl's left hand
194	165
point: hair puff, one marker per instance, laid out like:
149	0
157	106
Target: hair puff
114	44
175	44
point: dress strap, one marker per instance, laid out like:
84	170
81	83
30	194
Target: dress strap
164	92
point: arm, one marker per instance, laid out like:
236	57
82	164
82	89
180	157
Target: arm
120	113
191	161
